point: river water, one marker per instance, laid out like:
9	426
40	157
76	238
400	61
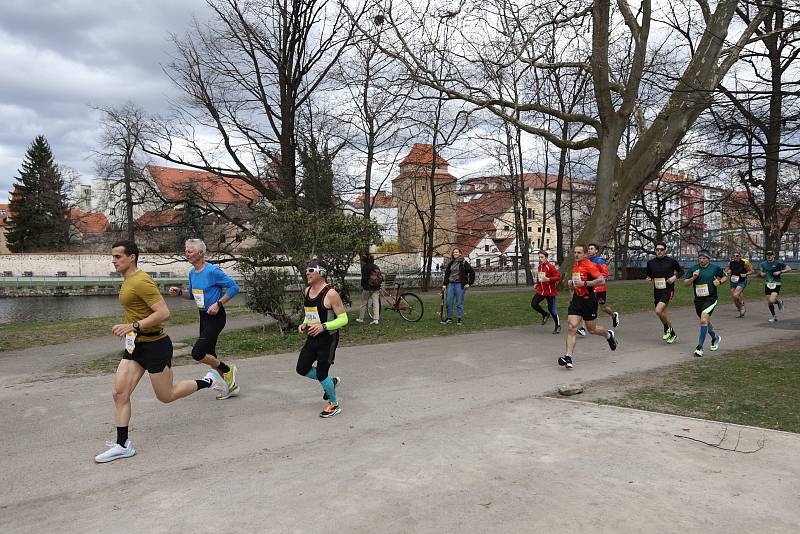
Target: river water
35	309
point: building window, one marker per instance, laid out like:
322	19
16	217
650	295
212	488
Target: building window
423	188
548	230
539	230
486	248
548	243
506	227
478	262
27	273
529	228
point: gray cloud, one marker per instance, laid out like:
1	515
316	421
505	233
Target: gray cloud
59	57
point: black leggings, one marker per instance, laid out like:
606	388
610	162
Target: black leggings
551	304
210	328
322	351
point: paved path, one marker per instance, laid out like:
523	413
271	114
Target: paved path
446	434
49	362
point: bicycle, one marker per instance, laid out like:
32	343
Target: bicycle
407	304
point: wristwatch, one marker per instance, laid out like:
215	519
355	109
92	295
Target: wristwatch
136	327
324	327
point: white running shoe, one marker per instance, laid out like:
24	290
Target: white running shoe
374	322
115	452
359	320
217	382
773	319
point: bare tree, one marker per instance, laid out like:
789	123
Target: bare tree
376	114
119	162
756	121
616	78
246	75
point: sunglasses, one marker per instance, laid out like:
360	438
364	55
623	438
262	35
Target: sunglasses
660	248
312	270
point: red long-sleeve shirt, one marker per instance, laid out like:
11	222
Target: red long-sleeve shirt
547	289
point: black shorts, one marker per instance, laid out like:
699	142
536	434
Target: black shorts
768	291
600	296
154	356
320	349
706	304
662	295
585	307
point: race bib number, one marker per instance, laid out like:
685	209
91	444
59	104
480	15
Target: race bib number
541	276
130	342
771	285
660	283
734	278
312	315
576	277
701	290
199	297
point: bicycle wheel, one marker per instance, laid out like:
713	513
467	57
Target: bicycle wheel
410	307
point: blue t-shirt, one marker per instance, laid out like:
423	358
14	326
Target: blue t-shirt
206	287
769	267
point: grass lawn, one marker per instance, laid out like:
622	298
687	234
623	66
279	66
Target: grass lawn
756	387
484	310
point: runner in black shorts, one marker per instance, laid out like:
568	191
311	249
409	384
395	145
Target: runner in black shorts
662	271
211	289
739	269
147	349
583	306
324	316
771	271
705	277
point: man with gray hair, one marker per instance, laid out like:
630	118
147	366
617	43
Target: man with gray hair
211	289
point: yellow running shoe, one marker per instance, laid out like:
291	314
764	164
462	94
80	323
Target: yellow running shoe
230	380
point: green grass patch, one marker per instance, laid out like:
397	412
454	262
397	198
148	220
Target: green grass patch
756	387
15	336
483	310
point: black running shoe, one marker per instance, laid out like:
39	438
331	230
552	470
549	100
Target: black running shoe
544	319
557	329
569	361
615	319
562	360
335	382
581	332
612	341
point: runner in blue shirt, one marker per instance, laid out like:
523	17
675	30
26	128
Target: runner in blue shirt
772	270
705	278
211	289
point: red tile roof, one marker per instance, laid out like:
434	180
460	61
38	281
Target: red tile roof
3	214
89	223
174	183
381	200
422	154
467	243
503	244
159	218
479	214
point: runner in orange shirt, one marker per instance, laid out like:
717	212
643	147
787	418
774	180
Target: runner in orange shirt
585	277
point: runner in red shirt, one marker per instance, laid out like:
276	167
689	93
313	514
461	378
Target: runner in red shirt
546	278
585	277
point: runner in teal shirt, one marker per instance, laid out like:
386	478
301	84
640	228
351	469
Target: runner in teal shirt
771	271
705	278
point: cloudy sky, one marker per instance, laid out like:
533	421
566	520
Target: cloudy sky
60	57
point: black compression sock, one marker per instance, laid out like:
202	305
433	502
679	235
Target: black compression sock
223	367
122	435
205	383
666	328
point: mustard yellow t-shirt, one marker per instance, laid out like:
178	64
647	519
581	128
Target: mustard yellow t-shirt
137	294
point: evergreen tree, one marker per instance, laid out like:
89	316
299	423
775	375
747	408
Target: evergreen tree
38	206
318	176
